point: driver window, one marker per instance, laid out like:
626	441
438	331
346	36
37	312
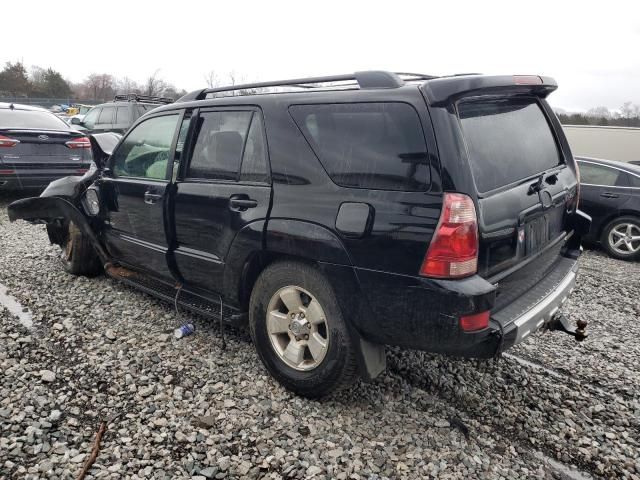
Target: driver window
144	153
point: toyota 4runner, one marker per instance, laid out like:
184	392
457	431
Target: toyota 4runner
337	215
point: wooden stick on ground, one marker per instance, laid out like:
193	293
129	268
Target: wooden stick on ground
94	451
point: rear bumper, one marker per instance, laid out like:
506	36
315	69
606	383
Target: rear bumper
424	314
530	312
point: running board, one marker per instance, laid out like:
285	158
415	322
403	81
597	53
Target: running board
207	307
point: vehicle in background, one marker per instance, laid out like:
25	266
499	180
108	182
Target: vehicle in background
367	209
37	147
119	115
610	194
77	111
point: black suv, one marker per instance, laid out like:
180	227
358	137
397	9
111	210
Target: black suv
364	210
119	115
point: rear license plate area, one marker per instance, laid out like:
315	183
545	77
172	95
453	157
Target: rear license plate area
541	230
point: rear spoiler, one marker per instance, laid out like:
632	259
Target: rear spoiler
444	90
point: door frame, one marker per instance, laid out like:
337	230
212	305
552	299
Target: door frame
165	183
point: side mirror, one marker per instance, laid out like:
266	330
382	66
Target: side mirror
102	146
76	121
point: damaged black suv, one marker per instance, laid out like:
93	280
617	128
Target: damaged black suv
337	215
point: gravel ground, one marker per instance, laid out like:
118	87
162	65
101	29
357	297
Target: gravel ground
100	351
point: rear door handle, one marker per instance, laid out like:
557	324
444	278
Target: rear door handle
609	195
151	198
240	203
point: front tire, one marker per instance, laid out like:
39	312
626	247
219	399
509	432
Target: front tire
297	327
78	255
621	238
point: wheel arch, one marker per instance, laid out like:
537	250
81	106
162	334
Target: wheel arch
261	243
308	243
48	210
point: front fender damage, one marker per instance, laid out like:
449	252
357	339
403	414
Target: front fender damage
50	209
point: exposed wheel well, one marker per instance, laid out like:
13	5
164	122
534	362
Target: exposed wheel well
256	265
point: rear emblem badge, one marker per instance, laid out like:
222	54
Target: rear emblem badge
43	137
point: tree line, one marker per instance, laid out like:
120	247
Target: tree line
37	82
628	115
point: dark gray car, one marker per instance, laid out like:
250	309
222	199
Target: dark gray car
37	147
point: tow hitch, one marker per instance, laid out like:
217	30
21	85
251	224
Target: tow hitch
561	323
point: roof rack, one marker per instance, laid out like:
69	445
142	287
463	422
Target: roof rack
370	79
129	97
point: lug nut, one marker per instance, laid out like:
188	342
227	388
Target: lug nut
302	315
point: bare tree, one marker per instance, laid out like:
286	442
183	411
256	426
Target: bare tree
99	86
127	85
36	75
236	78
154	85
626	110
599	112
211	79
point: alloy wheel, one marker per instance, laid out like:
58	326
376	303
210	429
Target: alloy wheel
297	328
624	238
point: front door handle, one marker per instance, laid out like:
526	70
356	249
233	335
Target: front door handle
609	195
240	203
151	198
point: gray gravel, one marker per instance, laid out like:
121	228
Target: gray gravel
99	350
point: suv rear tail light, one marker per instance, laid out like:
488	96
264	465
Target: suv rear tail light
453	252
477	321
8	142
82	142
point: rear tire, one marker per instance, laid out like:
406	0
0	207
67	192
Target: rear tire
78	255
303	342
621	238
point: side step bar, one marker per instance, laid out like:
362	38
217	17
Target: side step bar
207	307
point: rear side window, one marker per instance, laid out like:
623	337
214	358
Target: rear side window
220	141
634	181
367	145
31	119
507	139
254	160
123	115
593	174
106	116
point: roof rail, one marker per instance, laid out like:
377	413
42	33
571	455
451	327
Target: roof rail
369	79
128	97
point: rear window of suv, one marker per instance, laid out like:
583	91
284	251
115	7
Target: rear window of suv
367	145
507	139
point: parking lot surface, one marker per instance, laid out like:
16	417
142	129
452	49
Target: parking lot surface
90	350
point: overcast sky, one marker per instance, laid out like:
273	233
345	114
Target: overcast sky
591	48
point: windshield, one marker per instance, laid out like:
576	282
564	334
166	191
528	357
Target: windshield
507	140
31	119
